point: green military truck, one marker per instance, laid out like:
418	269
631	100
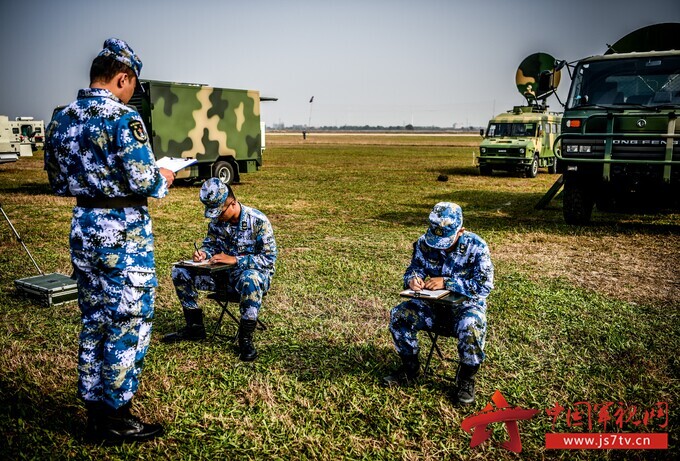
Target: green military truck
218	127
521	140
618	148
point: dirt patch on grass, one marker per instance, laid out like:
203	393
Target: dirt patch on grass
635	268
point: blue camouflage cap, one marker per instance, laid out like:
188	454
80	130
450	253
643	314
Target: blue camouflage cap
446	219
213	195
121	51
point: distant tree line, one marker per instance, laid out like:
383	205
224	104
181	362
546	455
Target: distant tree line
369	128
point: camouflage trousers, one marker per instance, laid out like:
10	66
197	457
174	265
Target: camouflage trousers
466	322
250	284
116	304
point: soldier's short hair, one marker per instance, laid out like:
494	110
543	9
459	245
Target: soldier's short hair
104	68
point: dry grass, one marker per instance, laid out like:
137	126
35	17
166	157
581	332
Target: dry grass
636	268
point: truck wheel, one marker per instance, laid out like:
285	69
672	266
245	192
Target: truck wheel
552	169
532	170
224	171
577	204
485	170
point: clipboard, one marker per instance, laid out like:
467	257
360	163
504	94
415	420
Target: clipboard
203	266
425	294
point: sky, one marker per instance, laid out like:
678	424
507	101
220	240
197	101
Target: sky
366	62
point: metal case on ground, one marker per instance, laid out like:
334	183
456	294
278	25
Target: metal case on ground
49	289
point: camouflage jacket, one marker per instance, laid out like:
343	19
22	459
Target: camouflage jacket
251	241
97	147
467	269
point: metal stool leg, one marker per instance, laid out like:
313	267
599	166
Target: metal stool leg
225	309
434	347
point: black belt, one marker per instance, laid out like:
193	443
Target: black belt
111	202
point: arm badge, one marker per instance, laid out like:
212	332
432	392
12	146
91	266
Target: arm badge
138	131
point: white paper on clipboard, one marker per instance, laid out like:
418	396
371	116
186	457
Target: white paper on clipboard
174	164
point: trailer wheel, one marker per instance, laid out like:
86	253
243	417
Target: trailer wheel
224	171
577	204
532	170
552	169
485	170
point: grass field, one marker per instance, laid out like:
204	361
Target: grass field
579	314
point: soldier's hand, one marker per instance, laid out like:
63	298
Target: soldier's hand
416	284
435	283
223	259
168	175
199	256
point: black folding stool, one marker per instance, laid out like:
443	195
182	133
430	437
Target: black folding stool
223	297
443	310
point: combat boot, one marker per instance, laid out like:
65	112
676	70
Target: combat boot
465	384
118	426
247	350
193	331
95	417
406	374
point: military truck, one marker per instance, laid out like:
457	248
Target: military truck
218	127
33	131
12	146
619	141
521	139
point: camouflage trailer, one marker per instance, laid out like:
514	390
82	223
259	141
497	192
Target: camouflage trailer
12	144
619	142
520	140
218	127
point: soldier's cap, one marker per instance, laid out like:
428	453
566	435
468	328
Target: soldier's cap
446	219
213	195
121	52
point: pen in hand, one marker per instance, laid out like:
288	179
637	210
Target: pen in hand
417	282
197	255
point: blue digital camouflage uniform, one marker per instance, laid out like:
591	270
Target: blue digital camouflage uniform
467	270
252	242
97	147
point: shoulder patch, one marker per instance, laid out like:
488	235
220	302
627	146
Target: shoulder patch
138	131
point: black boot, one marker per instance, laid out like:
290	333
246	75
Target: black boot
406	374
193	331
118	426
248	353
465	384
95	417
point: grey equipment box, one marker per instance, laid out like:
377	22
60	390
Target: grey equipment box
48	289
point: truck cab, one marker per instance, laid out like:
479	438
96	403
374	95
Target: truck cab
619	140
521	141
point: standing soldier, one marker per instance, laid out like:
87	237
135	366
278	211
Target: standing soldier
97	150
445	257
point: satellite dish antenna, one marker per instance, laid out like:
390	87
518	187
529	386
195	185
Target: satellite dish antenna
657	37
537	77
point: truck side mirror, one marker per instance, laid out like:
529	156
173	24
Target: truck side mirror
481	132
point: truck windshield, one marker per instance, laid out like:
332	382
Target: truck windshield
647	81
497	130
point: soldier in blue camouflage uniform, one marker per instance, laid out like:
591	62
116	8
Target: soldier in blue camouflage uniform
240	236
445	257
97	151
